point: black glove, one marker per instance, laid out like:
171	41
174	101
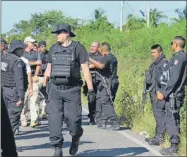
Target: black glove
91	96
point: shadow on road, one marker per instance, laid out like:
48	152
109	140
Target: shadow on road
26	137
48	145
130	151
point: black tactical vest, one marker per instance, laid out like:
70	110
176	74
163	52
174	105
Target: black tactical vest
7	75
65	66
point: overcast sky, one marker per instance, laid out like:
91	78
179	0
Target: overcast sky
13	12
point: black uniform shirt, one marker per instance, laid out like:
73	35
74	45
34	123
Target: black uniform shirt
19	71
96	56
107	61
178	63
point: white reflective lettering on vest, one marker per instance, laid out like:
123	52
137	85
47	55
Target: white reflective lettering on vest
4	66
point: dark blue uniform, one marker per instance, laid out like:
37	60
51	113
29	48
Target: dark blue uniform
64	99
156	69
104	105
8	145
114	77
95	80
13	82
174	96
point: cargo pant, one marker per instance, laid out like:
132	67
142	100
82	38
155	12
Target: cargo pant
31	104
64	105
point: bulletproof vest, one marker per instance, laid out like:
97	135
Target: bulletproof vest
7	75
44	59
163	75
32	57
65	66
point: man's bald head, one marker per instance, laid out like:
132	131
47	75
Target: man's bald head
95	47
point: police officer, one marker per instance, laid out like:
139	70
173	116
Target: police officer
96	55
156	69
14	83
8	145
113	69
104	104
173	94
64	98
31	101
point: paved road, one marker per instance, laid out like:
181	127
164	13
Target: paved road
94	142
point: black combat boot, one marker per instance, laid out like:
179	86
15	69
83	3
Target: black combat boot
102	124
171	151
58	152
74	146
156	140
115	125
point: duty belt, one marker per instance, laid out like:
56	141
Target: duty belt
64	87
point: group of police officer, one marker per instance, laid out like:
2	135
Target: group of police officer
165	81
39	82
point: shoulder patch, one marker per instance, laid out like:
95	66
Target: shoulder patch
176	62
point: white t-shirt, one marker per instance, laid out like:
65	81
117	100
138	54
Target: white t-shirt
26	61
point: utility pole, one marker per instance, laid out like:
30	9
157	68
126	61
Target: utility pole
121	16
148	13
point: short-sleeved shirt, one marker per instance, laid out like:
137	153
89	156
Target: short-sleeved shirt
81	53
96	56
32	56
106	60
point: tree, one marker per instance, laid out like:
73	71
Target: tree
99	14
134	22
181	15
100	22
156	17
43	22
